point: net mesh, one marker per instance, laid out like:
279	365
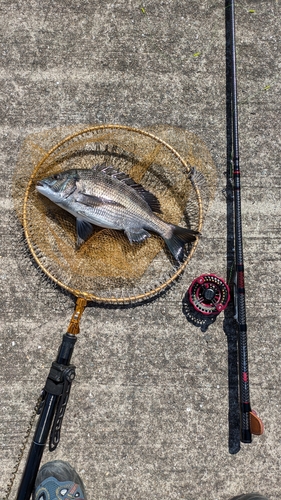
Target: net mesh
170	162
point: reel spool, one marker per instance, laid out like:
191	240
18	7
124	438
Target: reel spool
208	294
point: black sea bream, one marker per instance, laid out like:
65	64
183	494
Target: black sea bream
110	199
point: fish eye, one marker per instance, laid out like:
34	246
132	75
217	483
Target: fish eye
56	177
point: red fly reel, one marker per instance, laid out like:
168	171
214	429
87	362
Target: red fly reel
208	294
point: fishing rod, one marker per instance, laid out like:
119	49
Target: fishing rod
249	421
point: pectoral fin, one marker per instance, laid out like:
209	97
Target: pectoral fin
83	230
94	201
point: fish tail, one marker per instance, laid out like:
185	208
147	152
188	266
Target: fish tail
180	236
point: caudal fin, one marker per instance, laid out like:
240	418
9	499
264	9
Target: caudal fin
179	238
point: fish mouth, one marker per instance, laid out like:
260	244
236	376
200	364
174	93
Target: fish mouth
40	185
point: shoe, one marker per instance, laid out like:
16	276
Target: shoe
57	480
250	496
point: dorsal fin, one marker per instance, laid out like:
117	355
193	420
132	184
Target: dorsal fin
150	198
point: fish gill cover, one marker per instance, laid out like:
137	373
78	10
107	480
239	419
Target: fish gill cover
107	267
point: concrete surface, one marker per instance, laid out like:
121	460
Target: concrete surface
148	416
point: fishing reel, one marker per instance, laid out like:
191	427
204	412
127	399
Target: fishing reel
207	296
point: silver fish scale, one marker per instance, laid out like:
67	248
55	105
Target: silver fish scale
123	207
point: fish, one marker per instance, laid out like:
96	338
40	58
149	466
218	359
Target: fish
104	197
